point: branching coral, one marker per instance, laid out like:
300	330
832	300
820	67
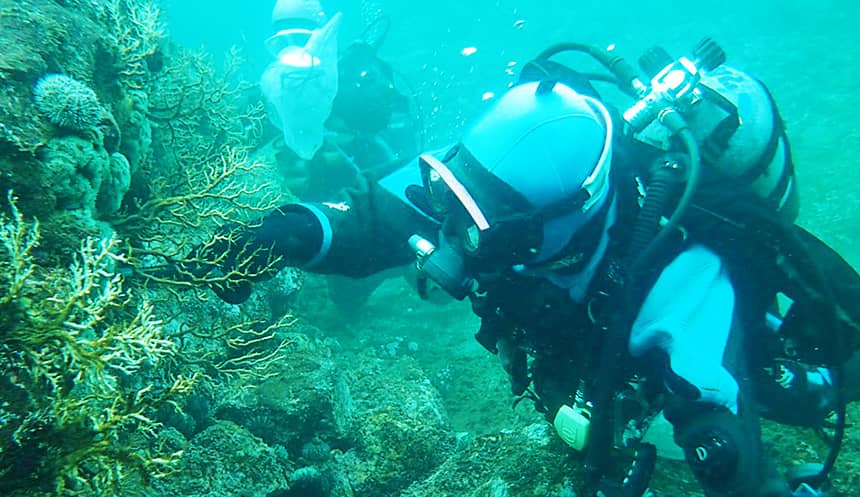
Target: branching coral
246	353
136	30
212	194
16	266
201	108
204	181
9	136
196	211
70	342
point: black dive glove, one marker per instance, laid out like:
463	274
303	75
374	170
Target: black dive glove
239	255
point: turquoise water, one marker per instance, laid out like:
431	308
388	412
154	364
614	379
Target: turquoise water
393	394
805	51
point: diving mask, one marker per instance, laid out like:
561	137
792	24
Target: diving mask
510	234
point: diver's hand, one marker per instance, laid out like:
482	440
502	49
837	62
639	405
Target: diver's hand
215	265
236	256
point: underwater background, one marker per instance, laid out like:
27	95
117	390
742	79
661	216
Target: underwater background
805	51
117	380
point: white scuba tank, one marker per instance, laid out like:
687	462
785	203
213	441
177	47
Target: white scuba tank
757	153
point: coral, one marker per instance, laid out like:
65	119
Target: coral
136	32
70	340
205	185
72	185
213	193
207	207
67	102
75	185
198	109
62	234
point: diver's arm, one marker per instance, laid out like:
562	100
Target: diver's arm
359	232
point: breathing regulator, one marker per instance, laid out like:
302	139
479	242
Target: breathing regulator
674	86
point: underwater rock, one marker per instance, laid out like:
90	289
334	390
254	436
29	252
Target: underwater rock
293	407
364	423
225	459
399	426
67	102
316	451
530	462
275	298
308	482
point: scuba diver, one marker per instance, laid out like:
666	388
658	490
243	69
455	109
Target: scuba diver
342	118
626	263
340	114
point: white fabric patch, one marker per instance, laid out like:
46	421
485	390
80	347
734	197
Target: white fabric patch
688	313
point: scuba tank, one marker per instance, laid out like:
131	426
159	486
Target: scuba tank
734	119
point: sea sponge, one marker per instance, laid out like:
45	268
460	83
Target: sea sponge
116	179
67	102
72	170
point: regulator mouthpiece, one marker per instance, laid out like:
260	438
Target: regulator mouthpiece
444	267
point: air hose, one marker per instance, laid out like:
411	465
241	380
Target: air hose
625	75
643	250
648	221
